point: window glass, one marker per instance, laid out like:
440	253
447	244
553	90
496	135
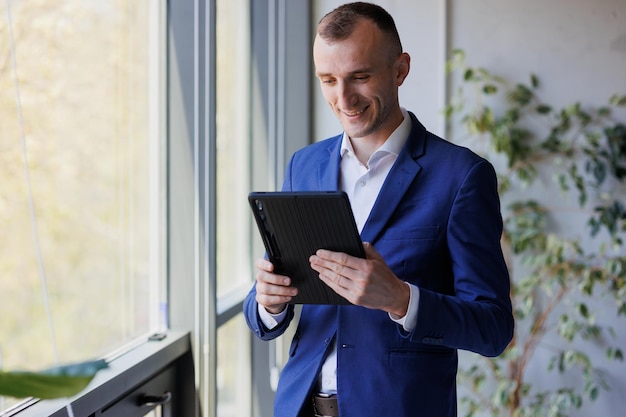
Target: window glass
233	369
233	109
86	72
233	144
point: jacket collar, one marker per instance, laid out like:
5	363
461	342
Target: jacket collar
395	186
397	183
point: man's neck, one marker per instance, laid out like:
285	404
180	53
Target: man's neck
365	147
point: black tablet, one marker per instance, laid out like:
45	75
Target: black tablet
294	225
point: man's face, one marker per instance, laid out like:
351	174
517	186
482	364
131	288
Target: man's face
360	82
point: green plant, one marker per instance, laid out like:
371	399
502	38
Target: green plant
57	382
557	277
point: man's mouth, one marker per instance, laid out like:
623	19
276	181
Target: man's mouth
354	113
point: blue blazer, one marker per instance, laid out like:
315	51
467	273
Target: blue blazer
437	224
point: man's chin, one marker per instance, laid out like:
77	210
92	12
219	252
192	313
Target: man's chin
355	133
354	129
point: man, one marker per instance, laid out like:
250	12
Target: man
434	279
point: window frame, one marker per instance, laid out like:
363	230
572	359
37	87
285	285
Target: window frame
281	58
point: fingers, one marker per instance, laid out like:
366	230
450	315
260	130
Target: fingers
347	260
264	264
273	291
370	252
366	282
326	257
338	270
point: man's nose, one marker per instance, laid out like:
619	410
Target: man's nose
347	97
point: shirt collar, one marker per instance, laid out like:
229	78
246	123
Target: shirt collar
393	144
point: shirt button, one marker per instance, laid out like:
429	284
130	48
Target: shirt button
362	183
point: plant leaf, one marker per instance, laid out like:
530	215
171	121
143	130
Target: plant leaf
58	382
543	109
618	100
534	81
490	89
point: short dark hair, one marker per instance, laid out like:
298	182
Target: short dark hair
339	24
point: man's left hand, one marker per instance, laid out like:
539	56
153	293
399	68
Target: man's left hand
365	282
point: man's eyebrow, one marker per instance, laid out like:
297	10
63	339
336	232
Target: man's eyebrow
355	72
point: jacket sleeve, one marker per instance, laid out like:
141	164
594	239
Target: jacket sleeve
478	316
251	312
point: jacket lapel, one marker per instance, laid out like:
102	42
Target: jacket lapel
328	168
398	181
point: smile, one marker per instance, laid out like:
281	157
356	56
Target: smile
354	113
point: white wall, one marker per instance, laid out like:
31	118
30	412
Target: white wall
577	48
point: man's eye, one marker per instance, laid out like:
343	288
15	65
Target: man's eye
328	81
361	77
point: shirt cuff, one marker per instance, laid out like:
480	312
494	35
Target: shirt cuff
409	321
270	320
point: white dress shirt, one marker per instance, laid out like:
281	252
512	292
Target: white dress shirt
362	183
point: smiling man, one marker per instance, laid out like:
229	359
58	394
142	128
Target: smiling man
434	279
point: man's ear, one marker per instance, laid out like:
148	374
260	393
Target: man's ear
403	66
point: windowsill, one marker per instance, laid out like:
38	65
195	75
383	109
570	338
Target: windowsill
126	372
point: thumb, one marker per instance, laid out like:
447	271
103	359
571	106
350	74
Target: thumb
370	252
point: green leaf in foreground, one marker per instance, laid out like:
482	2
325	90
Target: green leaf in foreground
58	382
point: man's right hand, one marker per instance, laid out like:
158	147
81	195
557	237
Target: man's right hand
272	291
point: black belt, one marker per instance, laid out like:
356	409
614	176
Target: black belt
326	406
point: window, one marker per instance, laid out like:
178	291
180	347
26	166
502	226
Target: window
147	122
209	175
233	178
233	144
90	252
